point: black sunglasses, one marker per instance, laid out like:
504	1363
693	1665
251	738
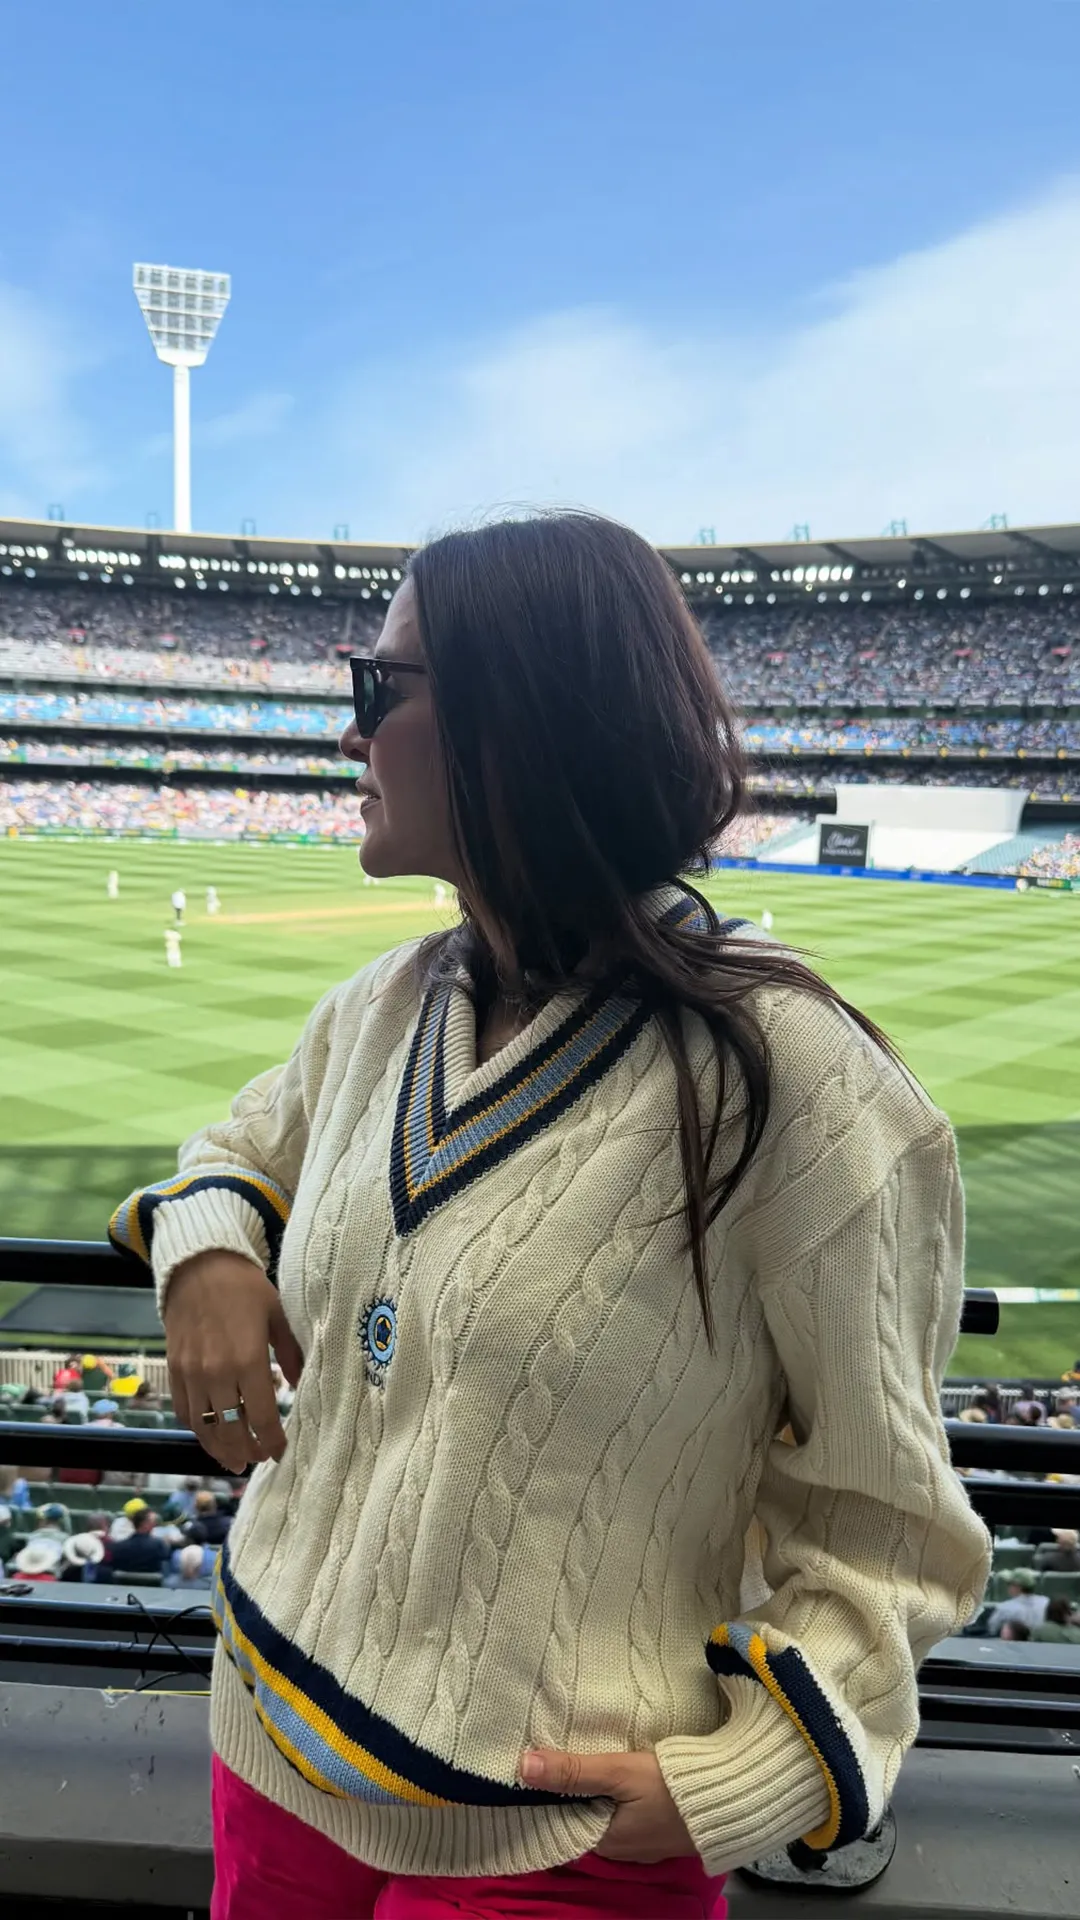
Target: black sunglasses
370	689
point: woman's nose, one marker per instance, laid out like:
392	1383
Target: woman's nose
352	744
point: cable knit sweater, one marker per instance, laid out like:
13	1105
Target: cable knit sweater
520	1497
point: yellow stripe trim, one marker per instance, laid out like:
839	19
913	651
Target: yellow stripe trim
320	1723
824	1835
519	1120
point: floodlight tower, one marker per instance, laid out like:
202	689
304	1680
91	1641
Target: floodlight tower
182	309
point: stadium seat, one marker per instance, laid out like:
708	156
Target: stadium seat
1058	1584
147	1417
1005	1557
73	1418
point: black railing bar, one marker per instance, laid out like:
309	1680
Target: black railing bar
50	1650
69	1263
94	1263
943	1736
955	1675
1000	1709
1019	1504
34	1610
1023	1449
176	1450
151	1449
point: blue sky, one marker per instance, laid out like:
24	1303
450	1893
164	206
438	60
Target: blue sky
694	264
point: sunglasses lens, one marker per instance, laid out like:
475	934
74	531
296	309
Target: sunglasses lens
365	700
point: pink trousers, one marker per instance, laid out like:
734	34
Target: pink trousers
268	1863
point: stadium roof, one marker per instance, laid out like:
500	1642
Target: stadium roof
990	559
1024	544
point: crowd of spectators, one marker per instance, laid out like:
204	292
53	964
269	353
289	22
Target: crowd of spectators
158	713
170	759
169	1530
802	656
787	777
76	627
215	813
1036	1585
1057	860
809	782
877	656
225	813
905	732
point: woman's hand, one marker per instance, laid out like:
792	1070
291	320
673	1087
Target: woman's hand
646	1826
222	1316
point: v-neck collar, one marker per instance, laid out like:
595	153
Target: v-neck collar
455	1119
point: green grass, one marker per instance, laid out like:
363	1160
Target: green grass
109	1058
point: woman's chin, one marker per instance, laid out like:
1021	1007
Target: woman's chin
374	860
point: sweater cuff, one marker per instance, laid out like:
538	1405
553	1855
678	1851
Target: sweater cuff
747	1789
213	1221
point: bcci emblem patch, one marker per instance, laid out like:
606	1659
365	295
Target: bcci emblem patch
378	1337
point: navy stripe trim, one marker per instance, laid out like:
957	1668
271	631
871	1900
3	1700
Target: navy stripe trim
361	1724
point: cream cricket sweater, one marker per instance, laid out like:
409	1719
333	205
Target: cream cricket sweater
519	1496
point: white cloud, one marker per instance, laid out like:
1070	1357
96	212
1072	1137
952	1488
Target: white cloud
940	388
44	453
262	414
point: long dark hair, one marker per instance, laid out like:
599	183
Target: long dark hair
592	755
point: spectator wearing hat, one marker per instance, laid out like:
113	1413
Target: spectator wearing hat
54	1519
1063	1556
125	1382
1023	1603
189	1572
1062	1623
95	1375
80	1555
143	1551
40	1559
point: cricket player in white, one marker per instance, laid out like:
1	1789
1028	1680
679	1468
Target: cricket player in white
172	946
213	904
179	902
112	885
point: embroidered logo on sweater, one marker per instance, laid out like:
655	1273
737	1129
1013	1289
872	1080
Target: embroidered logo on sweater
378	1336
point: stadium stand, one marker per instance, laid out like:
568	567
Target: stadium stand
187	710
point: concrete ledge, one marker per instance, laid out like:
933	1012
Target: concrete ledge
105	1795
109	1794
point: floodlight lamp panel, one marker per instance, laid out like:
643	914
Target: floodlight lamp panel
182	307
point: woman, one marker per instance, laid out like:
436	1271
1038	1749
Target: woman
556	1221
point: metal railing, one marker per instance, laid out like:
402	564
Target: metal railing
985	1697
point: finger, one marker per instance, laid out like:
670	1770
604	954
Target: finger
260	1406
228	1441
286	1348
179	1396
